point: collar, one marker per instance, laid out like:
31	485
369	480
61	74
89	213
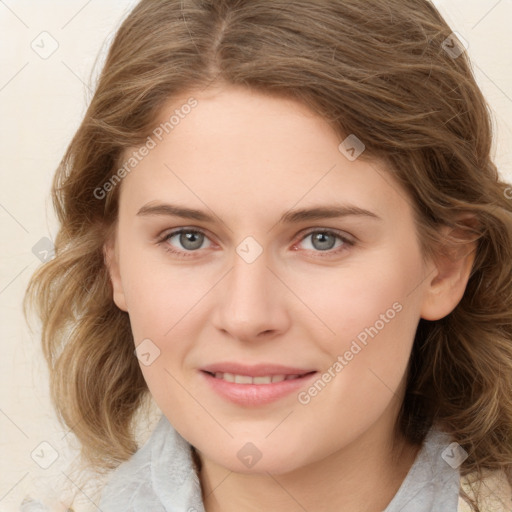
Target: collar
161	477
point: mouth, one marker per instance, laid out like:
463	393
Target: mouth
257	385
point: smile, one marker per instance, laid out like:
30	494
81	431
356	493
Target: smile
257	385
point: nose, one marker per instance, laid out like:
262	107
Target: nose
252	301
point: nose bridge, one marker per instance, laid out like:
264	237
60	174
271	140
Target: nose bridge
250	300
249	278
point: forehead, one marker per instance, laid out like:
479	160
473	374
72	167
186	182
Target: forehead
241	151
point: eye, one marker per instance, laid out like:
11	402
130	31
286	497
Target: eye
184	240
327	240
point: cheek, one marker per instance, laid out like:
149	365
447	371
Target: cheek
163	304
366	295
158	294
372	311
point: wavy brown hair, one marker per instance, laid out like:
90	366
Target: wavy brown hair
379	69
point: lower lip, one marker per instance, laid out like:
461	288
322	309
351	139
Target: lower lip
256	394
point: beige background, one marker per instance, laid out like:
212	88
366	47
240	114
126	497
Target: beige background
42	99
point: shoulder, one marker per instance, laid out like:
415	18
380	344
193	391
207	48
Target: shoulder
494	491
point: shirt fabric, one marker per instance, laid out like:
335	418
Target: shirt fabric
161	477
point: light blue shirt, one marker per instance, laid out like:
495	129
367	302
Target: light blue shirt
161	477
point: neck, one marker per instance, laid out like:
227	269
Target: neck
361	477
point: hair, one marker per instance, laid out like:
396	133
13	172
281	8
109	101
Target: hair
378	69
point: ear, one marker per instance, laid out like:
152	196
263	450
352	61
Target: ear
111	258
449	277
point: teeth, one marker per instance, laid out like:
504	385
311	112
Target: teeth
246	379
243	379
262	380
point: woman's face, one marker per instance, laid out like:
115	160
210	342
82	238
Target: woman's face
297	261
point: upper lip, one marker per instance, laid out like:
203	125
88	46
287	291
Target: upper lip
257	370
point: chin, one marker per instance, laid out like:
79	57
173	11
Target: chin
247	458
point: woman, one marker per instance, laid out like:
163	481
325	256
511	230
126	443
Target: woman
289	211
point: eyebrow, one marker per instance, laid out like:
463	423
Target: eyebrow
290	217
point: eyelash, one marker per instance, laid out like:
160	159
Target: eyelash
347	243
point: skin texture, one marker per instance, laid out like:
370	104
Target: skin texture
246	159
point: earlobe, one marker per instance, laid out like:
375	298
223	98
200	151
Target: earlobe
447	281
111	259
